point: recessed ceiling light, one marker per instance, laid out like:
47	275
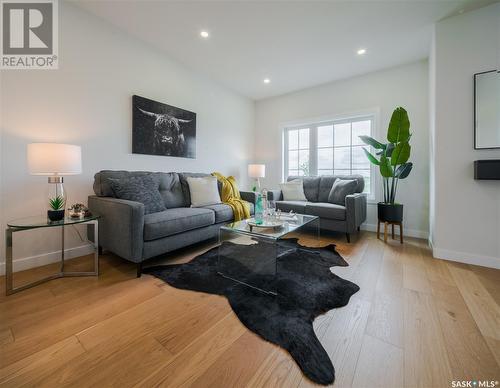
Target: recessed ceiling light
204	34
361	51
267	80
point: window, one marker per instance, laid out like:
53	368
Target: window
329	148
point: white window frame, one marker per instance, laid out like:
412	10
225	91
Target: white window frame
313	124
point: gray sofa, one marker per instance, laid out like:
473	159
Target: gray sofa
337	218
125	230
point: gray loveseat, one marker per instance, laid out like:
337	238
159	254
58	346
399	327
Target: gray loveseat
125	230
333	217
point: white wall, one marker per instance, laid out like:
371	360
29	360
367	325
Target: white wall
88	102
466	217
383	91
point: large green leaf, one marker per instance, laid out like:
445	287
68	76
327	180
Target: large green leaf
372	142
399	126
403	171
385	167
371	158
389	148
401	153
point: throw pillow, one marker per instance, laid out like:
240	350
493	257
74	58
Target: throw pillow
204	191
143	189
293	190
341	188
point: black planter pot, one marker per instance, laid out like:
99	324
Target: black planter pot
388	212
55	215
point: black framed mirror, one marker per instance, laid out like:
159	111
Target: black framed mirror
487	110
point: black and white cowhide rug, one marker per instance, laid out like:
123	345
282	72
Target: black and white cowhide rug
306	288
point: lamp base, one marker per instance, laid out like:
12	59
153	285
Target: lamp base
56	179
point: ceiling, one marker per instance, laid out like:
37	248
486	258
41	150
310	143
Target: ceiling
296	44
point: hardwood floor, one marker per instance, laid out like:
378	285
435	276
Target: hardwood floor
416	322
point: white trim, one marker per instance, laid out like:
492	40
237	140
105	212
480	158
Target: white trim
467	258
407	232
24	263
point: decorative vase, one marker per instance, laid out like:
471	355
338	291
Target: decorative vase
259	209
390	212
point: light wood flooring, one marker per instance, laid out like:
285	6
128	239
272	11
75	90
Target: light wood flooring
416	322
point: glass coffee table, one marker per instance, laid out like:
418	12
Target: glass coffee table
248	254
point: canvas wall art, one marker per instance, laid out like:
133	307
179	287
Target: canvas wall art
161	129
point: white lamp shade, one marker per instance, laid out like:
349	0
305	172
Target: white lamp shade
54	159
257	170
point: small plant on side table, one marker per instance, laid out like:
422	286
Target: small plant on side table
56	208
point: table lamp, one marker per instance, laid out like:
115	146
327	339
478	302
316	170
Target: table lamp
257	171
55	160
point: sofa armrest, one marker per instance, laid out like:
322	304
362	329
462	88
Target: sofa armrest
274	195
249	196
355	205
121	226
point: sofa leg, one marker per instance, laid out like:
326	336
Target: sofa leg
348	236
139	269
359	228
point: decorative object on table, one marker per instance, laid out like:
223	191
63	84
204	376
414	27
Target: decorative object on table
55	160
286	319
256	171
393	166
230	195
78	210
265	224
38	222
486	112
293	190
259	209
161	129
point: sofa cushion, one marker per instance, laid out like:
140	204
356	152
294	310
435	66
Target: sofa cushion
342	188
223	212
203	191
170	186
325	186
311	186
296	206
178	220
143	189
293	190
326	210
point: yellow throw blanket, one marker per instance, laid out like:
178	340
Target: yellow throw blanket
231	196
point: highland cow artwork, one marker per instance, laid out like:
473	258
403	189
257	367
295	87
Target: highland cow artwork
161	129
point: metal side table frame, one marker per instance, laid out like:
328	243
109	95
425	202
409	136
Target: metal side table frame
16	226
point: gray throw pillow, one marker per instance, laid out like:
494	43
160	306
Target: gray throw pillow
143	189
341	188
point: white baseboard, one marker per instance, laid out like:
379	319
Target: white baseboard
407	232
24	263
467	258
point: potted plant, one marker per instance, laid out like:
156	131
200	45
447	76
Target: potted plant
56	208
392	162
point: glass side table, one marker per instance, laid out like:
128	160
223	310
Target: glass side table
41	221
